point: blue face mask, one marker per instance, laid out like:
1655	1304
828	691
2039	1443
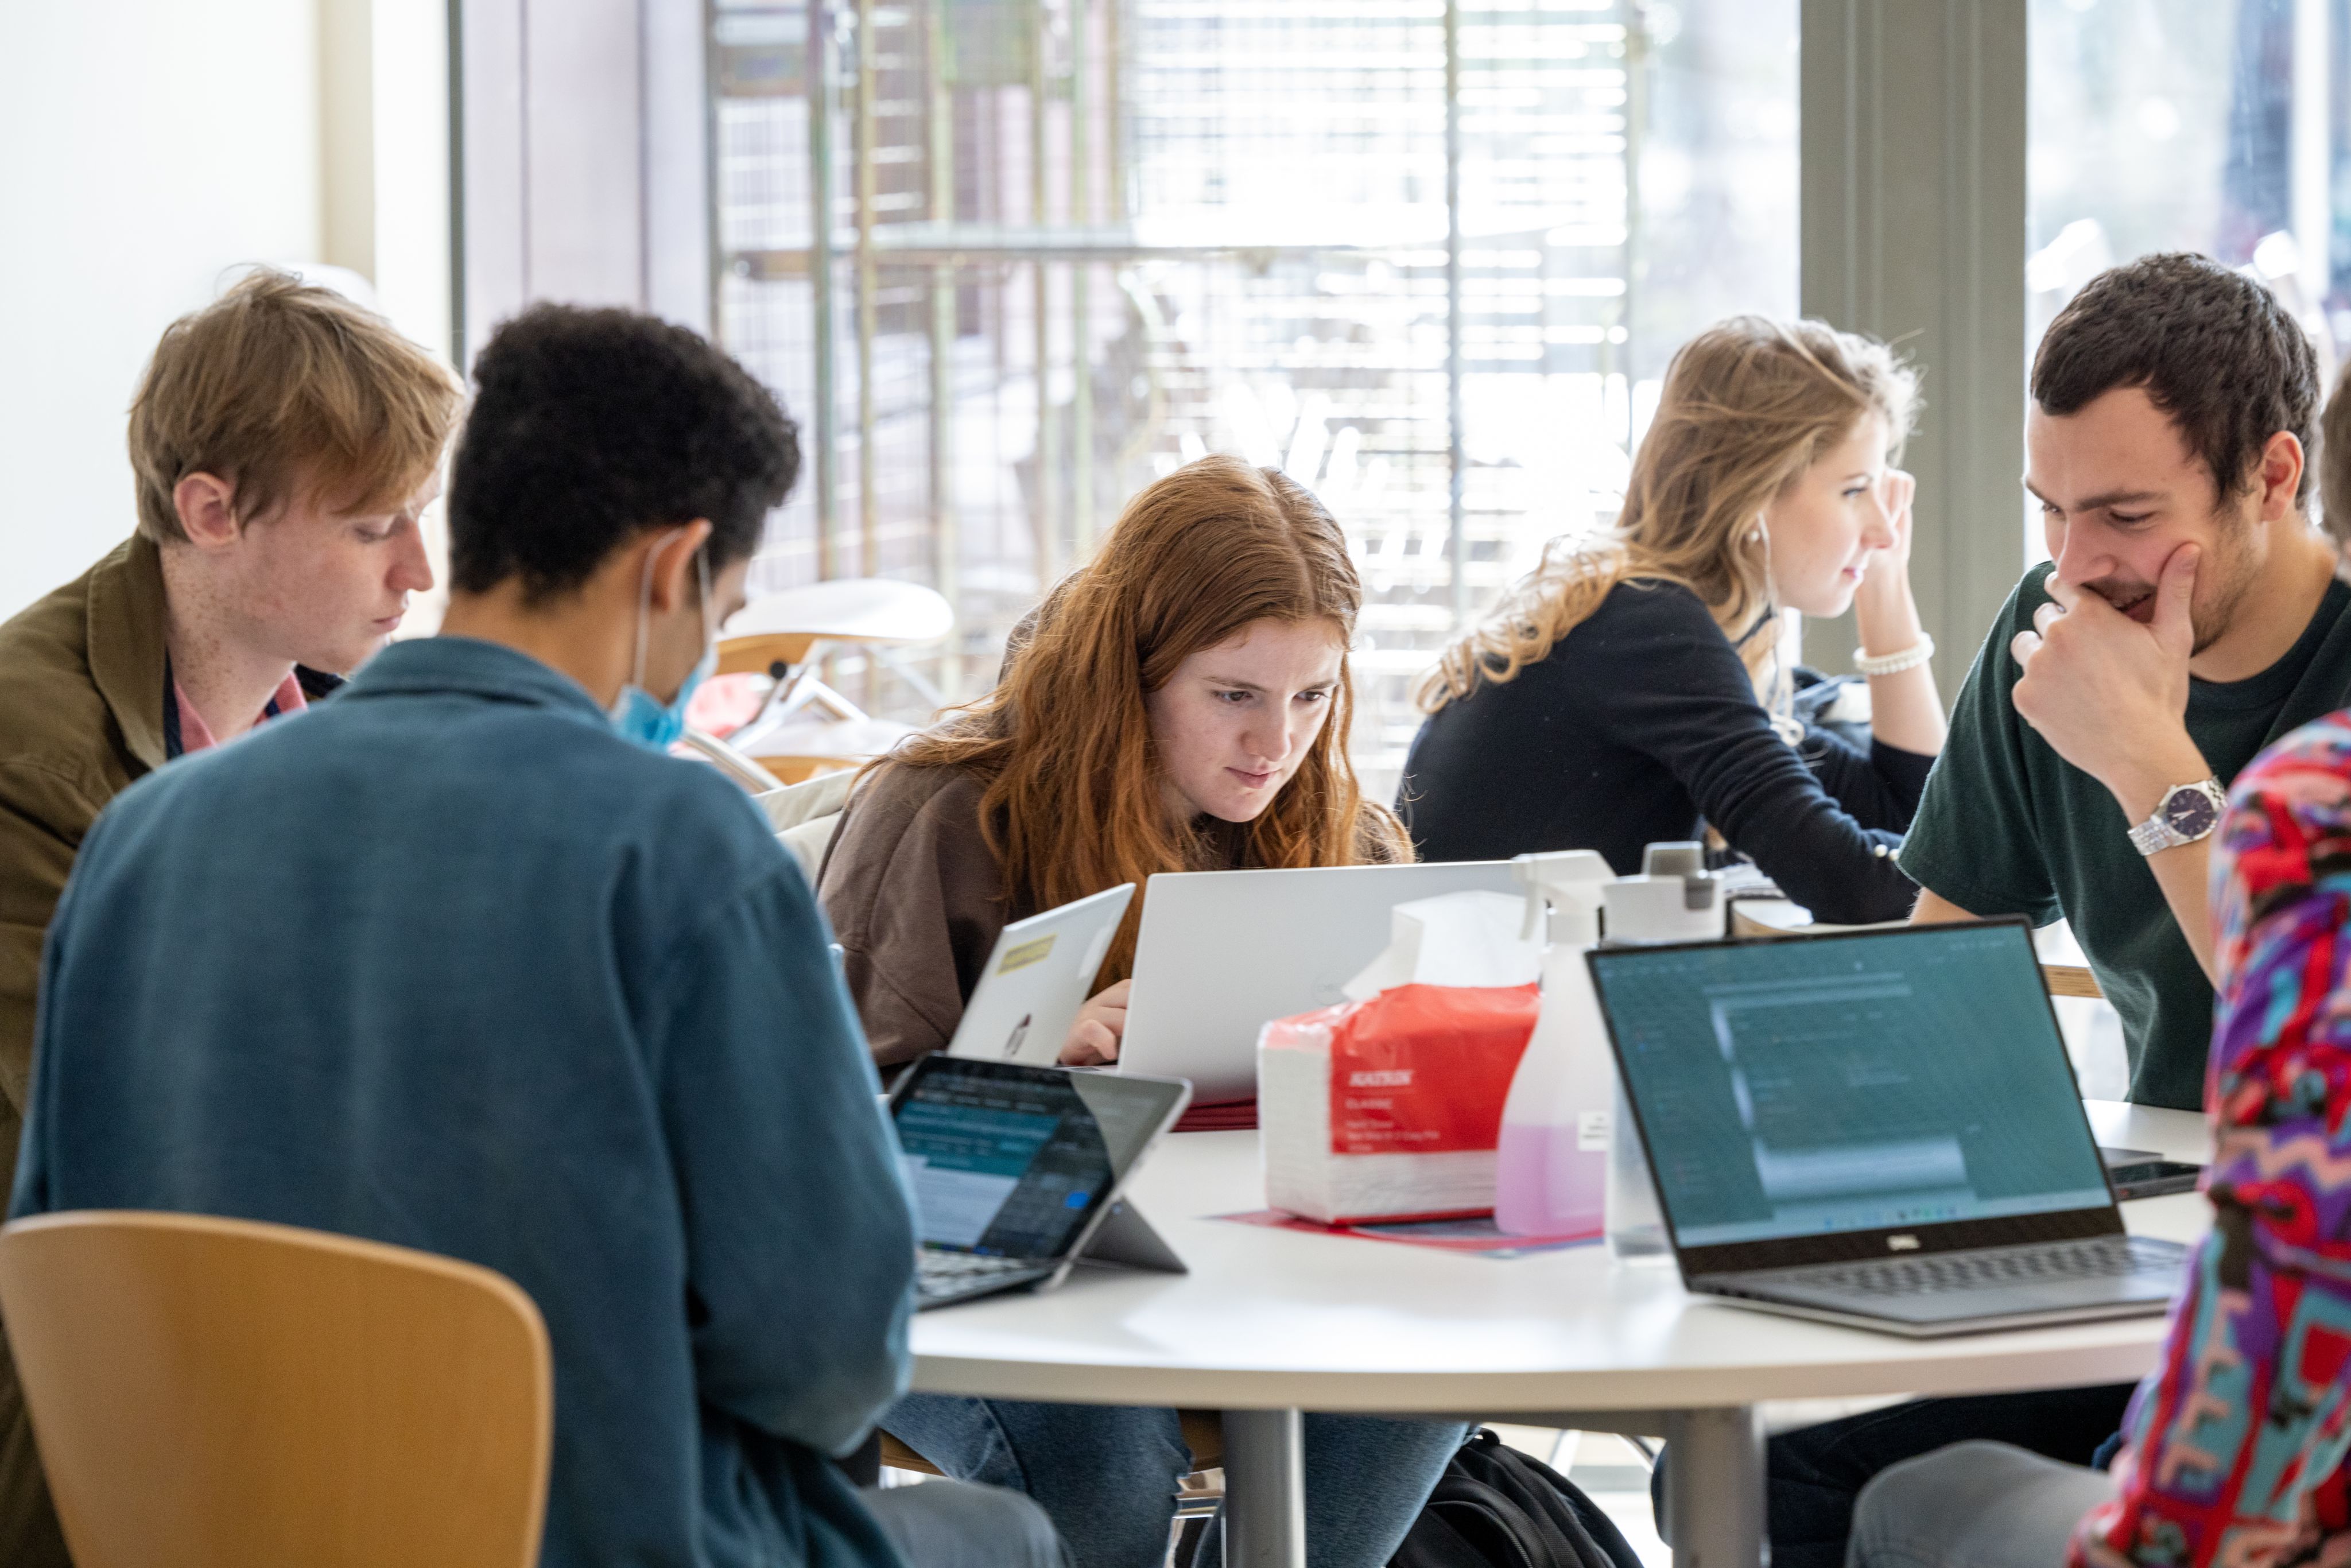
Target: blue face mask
636	714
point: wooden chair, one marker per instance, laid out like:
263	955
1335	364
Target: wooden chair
806	726
2070	980
209	1392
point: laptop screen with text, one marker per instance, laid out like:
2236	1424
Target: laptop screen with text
1848	1082
1011	1160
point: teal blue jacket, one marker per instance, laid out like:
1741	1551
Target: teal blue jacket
444	962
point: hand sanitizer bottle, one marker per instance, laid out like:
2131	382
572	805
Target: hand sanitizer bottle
1550	1172
1673	900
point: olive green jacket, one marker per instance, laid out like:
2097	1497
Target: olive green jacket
82	677
81	715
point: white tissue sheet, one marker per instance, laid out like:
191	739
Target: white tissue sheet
1453	939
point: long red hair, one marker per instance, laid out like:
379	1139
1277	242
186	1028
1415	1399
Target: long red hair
1072	803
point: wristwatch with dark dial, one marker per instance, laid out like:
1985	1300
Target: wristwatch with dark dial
2185	813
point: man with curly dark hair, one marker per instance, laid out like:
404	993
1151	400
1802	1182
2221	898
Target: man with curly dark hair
506	982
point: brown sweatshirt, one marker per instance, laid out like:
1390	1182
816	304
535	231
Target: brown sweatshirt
916	899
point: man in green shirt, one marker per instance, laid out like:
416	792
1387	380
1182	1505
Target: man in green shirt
2189	615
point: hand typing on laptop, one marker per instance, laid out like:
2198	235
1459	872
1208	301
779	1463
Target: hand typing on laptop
1094	1034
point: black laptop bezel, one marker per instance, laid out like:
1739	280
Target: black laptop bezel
1056	1265
1894	1241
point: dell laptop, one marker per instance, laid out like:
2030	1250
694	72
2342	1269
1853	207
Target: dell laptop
1017	1172
1878	1128
1036	979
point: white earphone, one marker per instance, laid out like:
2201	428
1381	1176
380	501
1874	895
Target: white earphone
1782	685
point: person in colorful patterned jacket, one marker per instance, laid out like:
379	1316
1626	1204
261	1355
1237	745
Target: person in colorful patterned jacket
2233	1449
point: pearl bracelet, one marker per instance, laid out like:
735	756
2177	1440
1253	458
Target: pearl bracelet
1909	658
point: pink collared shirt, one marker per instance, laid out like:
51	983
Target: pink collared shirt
196	736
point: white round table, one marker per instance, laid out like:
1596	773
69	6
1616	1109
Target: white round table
1271	1323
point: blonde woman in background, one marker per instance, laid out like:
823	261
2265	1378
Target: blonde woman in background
1633	689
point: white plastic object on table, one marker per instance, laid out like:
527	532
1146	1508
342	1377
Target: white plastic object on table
847	610
1674	900
1550	1155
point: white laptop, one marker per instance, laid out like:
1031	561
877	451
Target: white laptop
1222	953
1036	979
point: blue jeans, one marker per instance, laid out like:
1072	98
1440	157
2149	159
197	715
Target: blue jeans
1814	1474
1107	1475
948	1524
1973	1505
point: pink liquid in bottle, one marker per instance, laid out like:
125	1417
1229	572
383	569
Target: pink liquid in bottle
1544	1185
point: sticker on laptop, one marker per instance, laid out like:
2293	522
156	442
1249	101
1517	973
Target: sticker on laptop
1025	954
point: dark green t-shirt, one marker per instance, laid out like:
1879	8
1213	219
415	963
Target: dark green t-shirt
2008	827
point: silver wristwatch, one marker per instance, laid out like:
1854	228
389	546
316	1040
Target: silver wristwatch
2185	814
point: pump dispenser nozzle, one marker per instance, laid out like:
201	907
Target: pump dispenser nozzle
1567	883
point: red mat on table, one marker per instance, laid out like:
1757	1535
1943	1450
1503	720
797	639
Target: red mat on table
1231	1116
1476	1234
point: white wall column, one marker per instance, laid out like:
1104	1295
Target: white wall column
585	158
1913	231
147	148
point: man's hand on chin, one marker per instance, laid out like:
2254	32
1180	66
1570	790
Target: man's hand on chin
2110	694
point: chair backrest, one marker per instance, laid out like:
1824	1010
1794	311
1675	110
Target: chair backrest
212	1392
806	815
788	805
807	842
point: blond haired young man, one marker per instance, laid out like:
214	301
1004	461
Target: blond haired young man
282	443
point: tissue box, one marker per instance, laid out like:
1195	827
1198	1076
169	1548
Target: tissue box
1388	1109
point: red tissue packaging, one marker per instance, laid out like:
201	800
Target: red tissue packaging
1387	1108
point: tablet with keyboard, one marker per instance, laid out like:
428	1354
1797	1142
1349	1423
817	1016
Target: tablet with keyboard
1017	1171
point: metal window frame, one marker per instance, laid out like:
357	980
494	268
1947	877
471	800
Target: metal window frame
1911	197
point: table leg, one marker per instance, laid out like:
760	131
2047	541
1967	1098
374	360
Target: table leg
1714	1493
1265	1489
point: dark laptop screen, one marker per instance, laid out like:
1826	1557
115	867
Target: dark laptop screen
1859	1083
1011	1160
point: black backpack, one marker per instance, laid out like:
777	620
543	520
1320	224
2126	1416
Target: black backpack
1496	1508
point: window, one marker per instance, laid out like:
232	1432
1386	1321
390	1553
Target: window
1430	260
2206	125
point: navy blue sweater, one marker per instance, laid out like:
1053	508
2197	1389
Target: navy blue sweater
1641	726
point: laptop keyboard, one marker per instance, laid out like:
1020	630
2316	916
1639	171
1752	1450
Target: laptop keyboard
945	1274
2106	1257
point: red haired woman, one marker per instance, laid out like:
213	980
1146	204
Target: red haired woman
1181	703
